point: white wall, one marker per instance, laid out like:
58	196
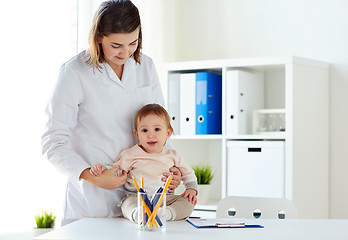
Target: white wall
211	29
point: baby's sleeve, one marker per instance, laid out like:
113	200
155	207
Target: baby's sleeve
122	161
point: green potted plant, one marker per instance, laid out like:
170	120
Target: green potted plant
44	223
204	174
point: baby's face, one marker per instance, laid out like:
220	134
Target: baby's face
152	133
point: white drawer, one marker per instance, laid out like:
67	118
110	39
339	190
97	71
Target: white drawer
256	168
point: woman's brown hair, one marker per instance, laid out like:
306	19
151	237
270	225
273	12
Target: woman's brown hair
114	16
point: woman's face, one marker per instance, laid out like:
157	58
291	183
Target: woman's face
118	47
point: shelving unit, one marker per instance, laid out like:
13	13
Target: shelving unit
299	86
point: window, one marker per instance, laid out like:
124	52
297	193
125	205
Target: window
36	37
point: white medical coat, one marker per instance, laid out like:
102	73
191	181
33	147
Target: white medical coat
91	120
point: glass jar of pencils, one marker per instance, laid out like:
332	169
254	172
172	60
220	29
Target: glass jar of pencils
152	211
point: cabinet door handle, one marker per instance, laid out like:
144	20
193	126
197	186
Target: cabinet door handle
254	149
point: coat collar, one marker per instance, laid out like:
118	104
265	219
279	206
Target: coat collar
128	71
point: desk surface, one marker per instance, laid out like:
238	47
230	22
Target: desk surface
120	228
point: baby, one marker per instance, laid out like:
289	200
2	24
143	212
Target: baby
150	159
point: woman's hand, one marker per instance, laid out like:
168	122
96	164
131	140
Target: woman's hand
176	178
110	179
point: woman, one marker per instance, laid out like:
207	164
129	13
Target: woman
91	111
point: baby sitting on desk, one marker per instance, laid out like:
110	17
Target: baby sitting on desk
150	159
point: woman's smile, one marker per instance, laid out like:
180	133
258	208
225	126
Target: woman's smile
120	58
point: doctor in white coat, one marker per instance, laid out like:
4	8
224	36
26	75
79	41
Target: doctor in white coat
92	109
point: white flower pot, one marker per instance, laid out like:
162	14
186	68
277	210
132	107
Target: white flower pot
203	193
39	231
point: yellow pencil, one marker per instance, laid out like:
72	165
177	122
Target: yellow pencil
136	184
148	211
143	208
152	218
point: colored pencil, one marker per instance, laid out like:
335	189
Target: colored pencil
148	211
152	218
143	206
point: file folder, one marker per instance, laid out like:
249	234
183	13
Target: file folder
223	223
187	103
208	103
174	101
244	93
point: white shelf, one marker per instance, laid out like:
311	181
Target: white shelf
264	135
297	85
198	137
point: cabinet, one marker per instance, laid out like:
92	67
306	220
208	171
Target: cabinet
295	86
255	168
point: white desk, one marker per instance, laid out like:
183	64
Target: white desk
120	228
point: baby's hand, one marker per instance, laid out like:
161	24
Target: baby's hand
117	170
96	170
190	194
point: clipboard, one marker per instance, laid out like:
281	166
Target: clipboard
222	223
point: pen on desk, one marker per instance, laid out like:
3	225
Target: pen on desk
230	225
